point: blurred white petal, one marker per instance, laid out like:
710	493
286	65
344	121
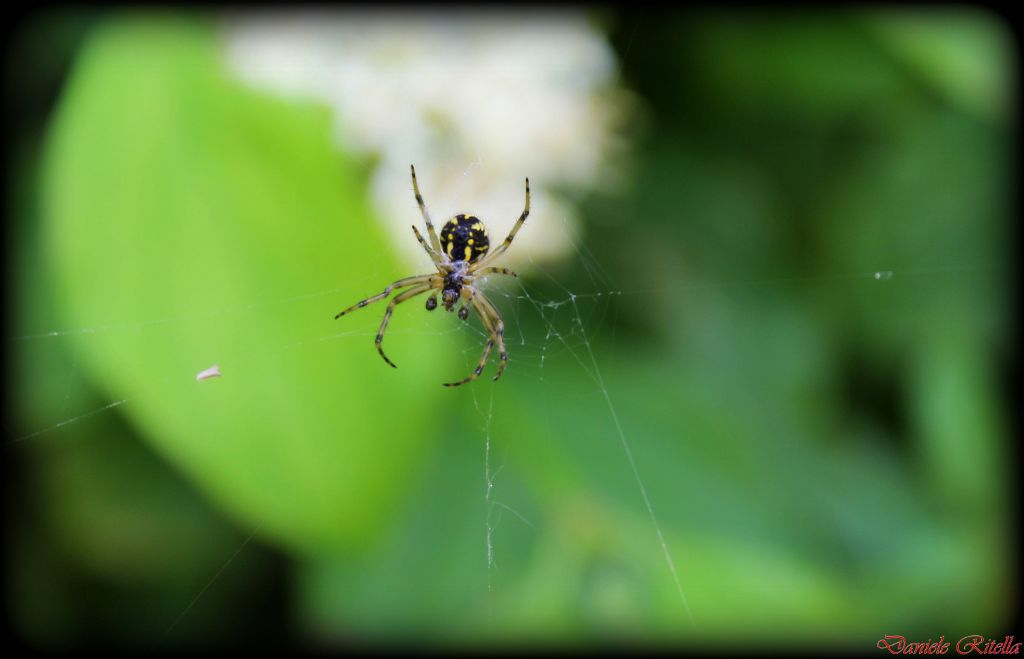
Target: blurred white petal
478	101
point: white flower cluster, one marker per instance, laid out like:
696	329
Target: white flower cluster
477	101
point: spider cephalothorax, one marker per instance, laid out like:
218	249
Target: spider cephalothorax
459	256
452	284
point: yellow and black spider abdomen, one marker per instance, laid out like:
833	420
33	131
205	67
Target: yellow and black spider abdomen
464	238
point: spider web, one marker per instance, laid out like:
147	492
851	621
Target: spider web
569	338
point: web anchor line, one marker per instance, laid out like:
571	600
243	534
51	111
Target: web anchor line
594	372
636	473
213	580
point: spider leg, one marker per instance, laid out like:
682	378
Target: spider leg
487	348
398	299
488	310
434	242
434	256
401	283
485	271
496	328
479	367
512	234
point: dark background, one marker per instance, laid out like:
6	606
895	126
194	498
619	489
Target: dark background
856	427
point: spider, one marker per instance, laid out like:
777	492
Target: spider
459	256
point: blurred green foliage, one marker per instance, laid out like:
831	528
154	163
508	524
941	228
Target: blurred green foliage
824	449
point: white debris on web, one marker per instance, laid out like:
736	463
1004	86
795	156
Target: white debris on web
477	101
212	372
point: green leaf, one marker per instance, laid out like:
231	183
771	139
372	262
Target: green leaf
191	221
